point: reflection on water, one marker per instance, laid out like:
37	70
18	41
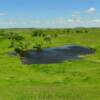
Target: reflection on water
55	55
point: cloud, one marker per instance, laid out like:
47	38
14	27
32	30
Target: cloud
76	14
2	14
91	10
96	21
70	20
57	22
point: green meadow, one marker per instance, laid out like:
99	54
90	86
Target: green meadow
70	80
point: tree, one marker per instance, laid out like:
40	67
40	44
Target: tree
15	39
37	33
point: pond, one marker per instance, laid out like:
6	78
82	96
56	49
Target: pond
55	55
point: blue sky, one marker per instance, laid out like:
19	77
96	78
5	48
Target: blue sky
49	13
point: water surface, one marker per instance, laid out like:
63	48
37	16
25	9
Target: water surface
55	55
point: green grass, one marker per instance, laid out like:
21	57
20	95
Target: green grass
70	80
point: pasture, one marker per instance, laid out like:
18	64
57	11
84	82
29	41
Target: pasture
70	80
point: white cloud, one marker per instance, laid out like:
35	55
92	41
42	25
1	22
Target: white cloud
91	10
2	14
70	20
76	14
59	22
96	20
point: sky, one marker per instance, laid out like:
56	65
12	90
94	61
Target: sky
49	13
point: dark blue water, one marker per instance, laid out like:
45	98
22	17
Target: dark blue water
55	55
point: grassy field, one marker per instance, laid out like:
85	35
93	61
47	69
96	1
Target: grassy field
70	80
